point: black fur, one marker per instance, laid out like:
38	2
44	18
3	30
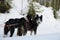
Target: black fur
11	24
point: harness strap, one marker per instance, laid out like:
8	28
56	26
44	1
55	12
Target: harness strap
11	25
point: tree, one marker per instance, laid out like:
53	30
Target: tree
55	6
4	6
31	9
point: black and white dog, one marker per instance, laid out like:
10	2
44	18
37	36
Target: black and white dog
33	23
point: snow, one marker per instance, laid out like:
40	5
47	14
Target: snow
49	29
37	37
59	12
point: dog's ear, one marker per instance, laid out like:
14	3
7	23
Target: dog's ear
41	17
36	16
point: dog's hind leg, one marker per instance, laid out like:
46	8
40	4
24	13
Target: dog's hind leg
6	30
24	31
12	31
19	32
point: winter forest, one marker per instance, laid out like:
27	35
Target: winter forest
29	19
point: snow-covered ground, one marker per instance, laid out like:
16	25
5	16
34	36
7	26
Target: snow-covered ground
49	29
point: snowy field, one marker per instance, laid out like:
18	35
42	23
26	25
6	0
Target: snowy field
49	29
51	36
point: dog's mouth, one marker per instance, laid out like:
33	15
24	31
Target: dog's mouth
38	22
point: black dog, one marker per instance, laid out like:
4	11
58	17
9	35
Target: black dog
11	24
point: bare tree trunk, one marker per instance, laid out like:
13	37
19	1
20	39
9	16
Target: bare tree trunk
45	2
50	3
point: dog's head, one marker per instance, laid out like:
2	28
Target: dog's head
39	19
